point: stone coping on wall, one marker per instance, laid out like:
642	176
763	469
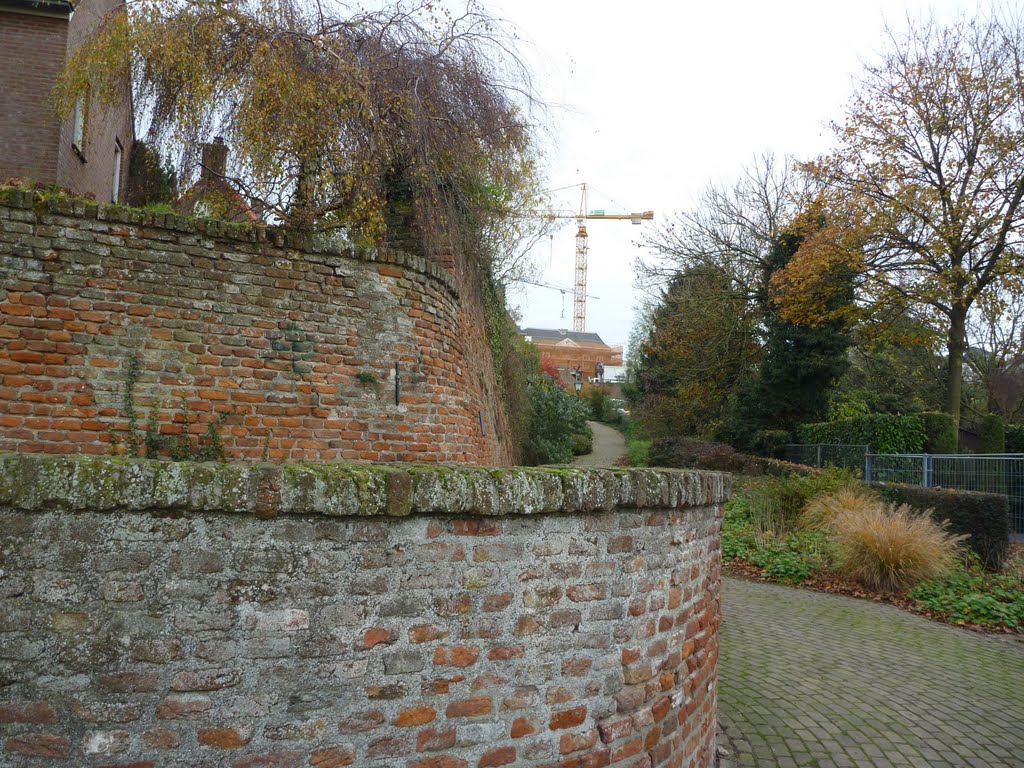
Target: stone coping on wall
315	245
34	482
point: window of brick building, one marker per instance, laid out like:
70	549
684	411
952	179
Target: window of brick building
78	126
116	186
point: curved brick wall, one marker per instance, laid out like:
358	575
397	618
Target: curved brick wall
297	346
402	617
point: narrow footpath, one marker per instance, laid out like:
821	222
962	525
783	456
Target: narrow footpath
609	445
809	679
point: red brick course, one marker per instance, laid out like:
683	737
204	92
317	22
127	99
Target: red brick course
295	350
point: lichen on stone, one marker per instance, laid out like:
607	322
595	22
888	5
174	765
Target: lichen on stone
39	482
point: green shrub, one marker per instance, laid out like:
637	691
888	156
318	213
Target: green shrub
599	401
555	419
792	558
991	436
1014	437
583	442
639	453
973	598
939	433
883	432
776	502
770	442
984	517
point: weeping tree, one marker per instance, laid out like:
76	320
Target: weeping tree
338	118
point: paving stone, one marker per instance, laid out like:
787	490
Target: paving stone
808	679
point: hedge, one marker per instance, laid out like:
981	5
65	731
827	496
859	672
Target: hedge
992	435
883	432
770	442
985	517
1014	438
690	453
939	433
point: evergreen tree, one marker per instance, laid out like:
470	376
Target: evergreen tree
800	363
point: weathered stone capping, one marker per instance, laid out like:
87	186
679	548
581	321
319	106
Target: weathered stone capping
156	614
292	340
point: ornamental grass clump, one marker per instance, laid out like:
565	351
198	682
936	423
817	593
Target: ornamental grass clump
891	548
820	513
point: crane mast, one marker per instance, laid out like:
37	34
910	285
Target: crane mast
579	315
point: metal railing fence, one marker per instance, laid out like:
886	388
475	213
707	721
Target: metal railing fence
1001	473
828	455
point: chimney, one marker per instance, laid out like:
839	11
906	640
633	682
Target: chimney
215	159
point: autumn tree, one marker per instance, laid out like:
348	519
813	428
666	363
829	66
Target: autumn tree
409	117
928	171
800	362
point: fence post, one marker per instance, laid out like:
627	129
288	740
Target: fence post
818	465
927	470
867	467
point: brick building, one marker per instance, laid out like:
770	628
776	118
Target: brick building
574	350
86	152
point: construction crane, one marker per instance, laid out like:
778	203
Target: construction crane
579	316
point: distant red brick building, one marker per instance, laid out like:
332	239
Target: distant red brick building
86	152
574	350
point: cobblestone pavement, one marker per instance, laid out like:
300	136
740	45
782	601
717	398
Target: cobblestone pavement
609	444
808	679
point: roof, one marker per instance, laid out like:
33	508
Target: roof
64	7
545	334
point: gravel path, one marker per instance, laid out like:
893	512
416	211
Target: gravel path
808	679
609	445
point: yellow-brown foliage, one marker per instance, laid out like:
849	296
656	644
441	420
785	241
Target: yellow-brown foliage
890	548
820	513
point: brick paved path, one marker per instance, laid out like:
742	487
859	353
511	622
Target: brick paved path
808	679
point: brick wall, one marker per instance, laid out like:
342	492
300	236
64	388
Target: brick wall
295	347
92	171
157	614
35	143
32	50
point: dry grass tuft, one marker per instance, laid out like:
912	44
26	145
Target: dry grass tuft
820	513
888	549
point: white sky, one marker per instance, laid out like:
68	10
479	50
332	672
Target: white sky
663	97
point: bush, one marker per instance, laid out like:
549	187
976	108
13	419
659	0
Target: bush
1014	434
770	442
892	548
555	418
973	598
883	432
791	558
689	453
639	453
991	435
583	442
599	404
984	517
940	434
698	454
776	503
